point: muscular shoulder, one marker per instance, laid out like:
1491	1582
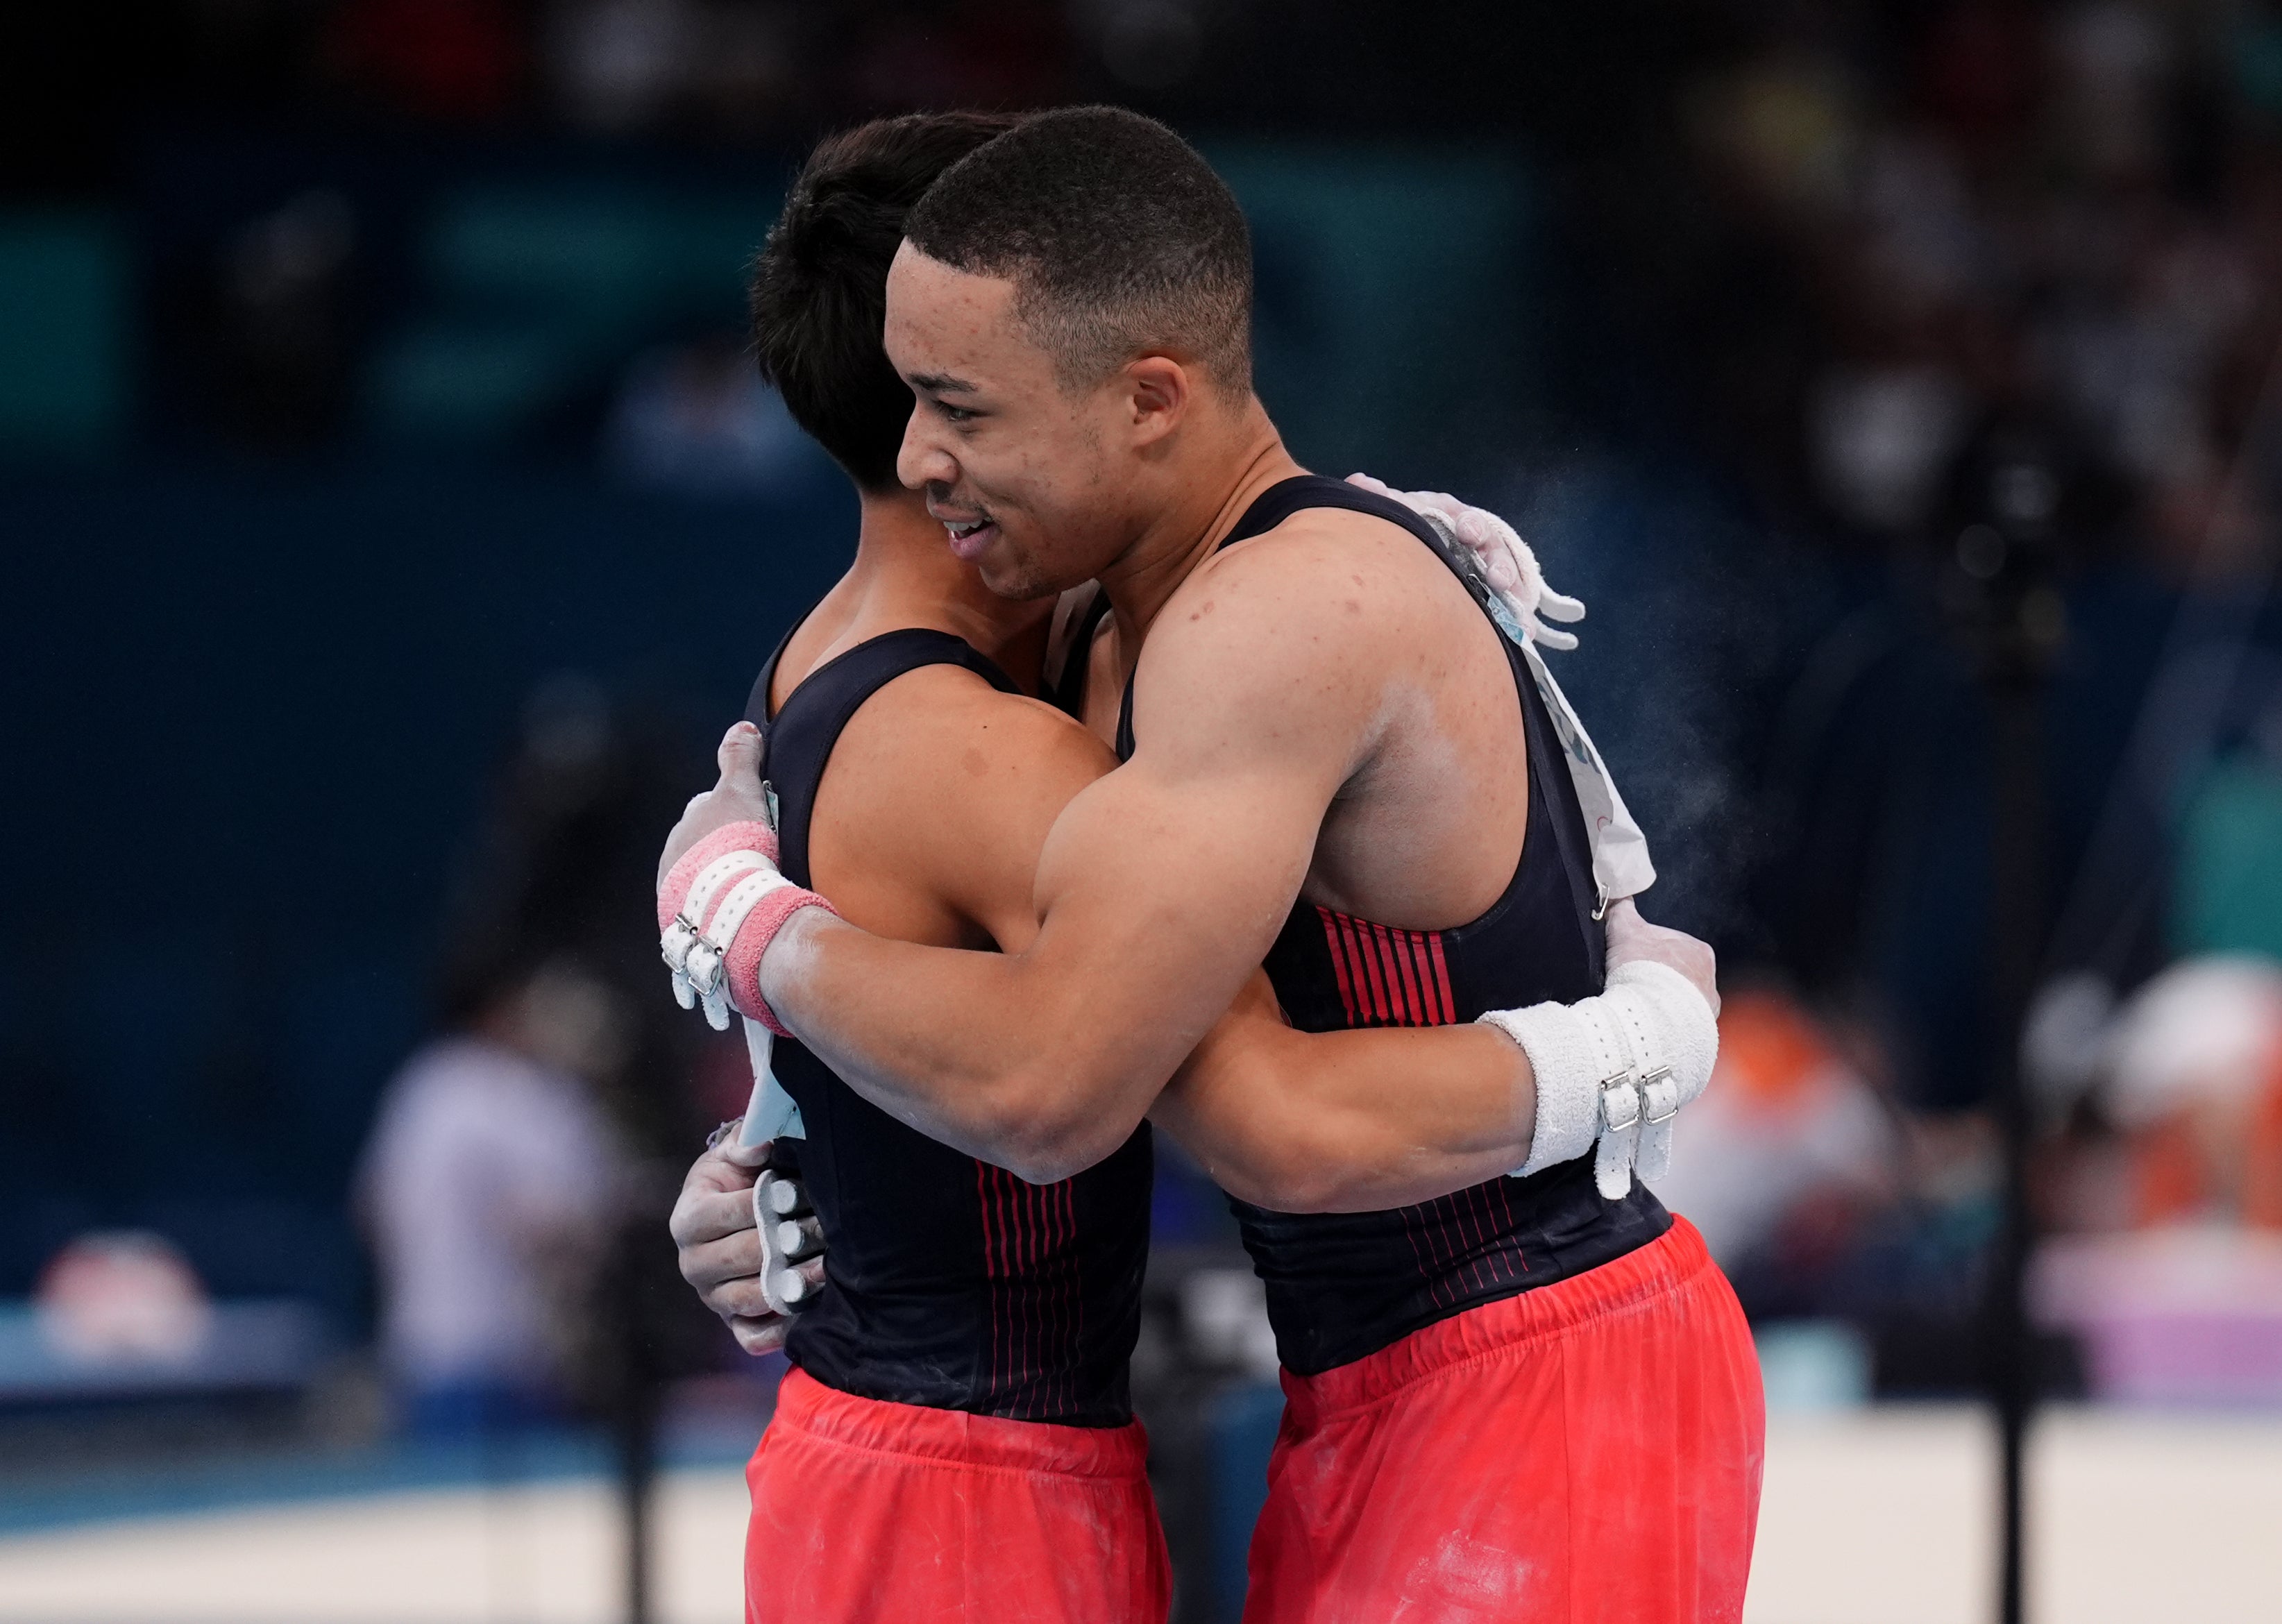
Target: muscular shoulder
936	802
942	727
1297	635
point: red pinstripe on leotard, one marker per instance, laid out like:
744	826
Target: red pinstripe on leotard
1393	977
1029	1256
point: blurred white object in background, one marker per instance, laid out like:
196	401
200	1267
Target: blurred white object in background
1225	1313
2064	1043
1785	1118
2184	1305
122	1295
1883	439
2206	1031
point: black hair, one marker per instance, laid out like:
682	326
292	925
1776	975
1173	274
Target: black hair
820	288
1118	237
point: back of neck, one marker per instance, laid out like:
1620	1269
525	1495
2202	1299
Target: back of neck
905	577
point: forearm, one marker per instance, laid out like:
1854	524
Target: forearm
1300	1122
1004	1057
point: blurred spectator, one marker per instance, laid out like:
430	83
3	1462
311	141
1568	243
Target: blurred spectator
512	1183
2175	1280
276	322
623	64
491	1182
2195	1086
2058	213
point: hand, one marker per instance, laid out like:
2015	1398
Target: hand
1631	938
720	1249
736	798
1506	563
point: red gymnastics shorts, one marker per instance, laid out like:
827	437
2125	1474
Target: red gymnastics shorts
1585	1452
867	1511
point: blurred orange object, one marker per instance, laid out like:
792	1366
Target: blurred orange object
1769	1048
1788	1142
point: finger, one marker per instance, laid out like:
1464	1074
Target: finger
740	758
737	1154
701	1217
707	1266
812	1271
717	1173
757	1335
734	1299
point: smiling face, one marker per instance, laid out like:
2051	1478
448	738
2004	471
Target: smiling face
1037	482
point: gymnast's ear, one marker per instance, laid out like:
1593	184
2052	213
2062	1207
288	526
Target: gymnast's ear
1159	391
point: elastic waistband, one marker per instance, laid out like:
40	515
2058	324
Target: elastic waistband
1637	1278
955	1437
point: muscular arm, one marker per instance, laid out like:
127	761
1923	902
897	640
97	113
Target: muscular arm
1348	1122
1159	889
929	829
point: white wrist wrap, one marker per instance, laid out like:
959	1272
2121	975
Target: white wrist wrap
1614	1070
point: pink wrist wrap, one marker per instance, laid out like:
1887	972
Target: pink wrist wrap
741	967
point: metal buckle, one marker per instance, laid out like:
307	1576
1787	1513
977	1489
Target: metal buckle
706	978
1611	1087
1662	1074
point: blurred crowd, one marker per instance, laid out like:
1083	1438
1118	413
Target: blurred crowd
1945	222
1829	263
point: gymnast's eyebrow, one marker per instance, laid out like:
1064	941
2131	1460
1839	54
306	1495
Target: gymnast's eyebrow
942	384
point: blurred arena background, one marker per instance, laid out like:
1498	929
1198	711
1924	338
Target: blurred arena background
392	518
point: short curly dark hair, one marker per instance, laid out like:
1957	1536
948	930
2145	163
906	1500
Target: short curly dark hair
1119	237
820	287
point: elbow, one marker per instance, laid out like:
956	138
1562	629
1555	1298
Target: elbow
1043	1133
1312	1164
1059	1144
1299	1190
1045	1155
1286	1178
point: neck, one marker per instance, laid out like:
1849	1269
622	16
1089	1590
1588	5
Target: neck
1228	472
904	575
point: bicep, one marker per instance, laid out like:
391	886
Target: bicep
1163	885
1159	890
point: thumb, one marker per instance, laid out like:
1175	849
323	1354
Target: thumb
737	1152
740	758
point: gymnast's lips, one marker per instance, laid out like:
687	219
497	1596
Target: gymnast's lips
969	537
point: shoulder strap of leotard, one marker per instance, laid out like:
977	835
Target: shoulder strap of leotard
1279	501
798	740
